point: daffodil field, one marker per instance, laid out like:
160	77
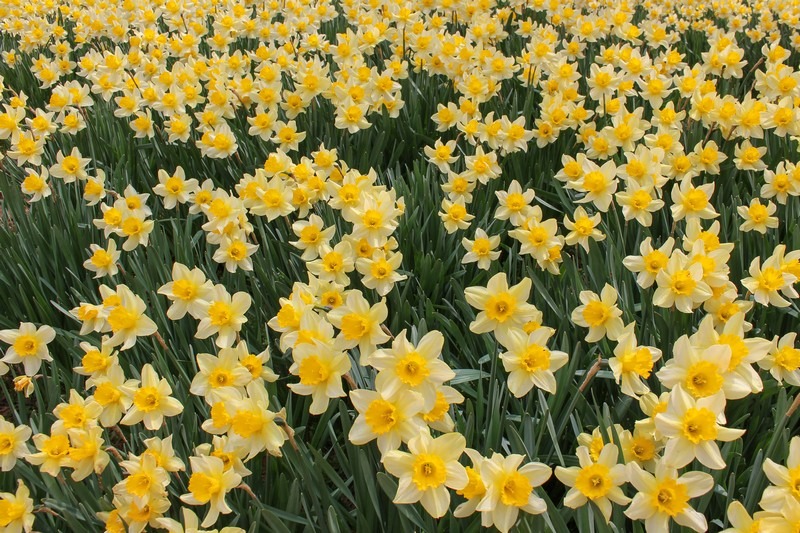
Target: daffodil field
423	265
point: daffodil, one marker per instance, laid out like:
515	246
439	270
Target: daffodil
78	413
514	204
235	252
389	420
126	321
597	481
28	346
692	428
600	314
138	515
770	284
783	360
152	401
474	490
409	367
209	483
13	443
113	393
312	236
640	447
253	425
188	291
217	374
454	215
53	452
16	510
438	417
650	262
691	202
741	521
665	496
632	364
70	167
35	184
529	361
87	454
175	189
190	524
360	324
481	250
380	271
699	371
223	315
427	470
510	489
784	480
757	216
680	284
320	368
583	228
501	307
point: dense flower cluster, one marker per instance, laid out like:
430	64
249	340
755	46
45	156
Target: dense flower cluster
655	132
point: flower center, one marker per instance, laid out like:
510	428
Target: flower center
428	471
56	447
596	313
354	326
220	377
475	487
26	345
184	289
594	481
500	307
313	371
638	361
771	279
788	358
643	449
220	314
247	423
758	213
699	424
106	394
381	269
535	358
594	181
682	283
74	416
655	261
703	379
670	497
381	416
412	369
695	200
147	399
120	318
515	490
204	487
139	484
6	444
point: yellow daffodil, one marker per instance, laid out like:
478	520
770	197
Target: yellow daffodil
665	496
390	420
692	428
597	481
209	483
510	489
28	346
501	307
152	401
427	470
